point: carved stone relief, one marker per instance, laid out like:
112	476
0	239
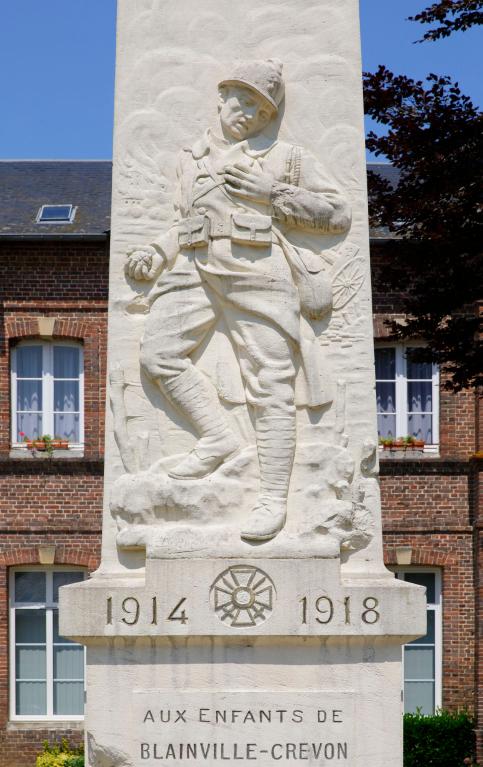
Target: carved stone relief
105	756
249	279
243	596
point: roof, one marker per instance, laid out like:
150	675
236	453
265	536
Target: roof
391	174
26	185
386	171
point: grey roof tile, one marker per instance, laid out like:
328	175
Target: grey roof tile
386	171
26	185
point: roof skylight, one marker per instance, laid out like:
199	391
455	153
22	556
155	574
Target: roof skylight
56	214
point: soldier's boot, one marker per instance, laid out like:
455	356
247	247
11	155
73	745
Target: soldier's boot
193	396
276	450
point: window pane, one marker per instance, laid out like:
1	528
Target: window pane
30	587
57	637
69	662
66	362
386	425
66	396
428	580
31	663
31	698
429	637
419	695
421	427
420	399
418	662
29	362
385	363
29	395
418	369
69	698
66	426
29	425
30	626
55	213
386	397
63	579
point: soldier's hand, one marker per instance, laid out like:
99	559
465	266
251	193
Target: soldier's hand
143	263
242	181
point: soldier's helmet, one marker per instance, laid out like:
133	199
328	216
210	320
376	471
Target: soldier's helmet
262	76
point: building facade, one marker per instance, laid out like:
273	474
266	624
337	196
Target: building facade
54	255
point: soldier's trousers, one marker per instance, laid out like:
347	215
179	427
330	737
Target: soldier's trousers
181	318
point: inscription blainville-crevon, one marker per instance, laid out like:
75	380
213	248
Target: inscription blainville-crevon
266	727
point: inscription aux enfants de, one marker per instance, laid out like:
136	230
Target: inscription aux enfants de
271	733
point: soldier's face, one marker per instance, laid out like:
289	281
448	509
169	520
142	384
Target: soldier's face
242	112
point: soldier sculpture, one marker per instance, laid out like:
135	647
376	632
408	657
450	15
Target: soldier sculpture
228	253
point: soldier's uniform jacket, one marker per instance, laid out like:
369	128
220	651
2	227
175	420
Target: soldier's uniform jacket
242	249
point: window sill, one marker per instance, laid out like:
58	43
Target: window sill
427	454
23	454
45	724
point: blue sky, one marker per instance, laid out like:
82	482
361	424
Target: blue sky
57	69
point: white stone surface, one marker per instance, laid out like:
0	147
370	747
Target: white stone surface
242	565
307	168
142	675
216	597
265	726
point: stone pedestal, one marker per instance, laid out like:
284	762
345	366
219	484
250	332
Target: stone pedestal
242	611
265	661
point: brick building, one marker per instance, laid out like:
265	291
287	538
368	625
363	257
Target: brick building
54	252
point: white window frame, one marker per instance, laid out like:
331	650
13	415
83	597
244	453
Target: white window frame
49	606
437	608
47	388
56	222
401	389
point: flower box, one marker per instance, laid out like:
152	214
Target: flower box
44	445
402	445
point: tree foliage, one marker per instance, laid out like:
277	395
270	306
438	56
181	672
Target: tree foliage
432	133
450	16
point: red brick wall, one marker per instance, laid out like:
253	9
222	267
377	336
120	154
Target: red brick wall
431	505
50	495
434	505
453	553
425	501
19	742
46	501
457	411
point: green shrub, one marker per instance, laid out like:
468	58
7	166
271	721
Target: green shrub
444	740
60	755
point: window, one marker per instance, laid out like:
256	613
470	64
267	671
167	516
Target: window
47	392
407	396
422	658
56	214
46	670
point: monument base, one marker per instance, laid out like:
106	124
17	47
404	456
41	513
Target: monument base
266	700
173	675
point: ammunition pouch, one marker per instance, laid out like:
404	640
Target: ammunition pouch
255	231
194	232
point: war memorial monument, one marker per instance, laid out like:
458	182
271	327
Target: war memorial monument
242	612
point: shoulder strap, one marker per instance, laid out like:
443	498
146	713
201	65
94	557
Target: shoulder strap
292	165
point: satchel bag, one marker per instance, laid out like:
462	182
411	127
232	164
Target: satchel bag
251	230
313	285
194	232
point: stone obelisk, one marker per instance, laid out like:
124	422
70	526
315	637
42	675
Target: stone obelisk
242	611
